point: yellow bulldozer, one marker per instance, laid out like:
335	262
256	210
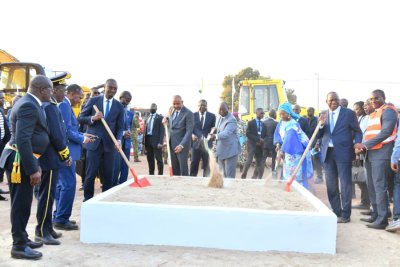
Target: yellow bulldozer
15	77
264	93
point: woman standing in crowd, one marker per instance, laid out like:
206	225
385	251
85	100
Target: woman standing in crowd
291	141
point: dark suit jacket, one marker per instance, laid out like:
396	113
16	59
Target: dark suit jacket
51	160
115	121
209	122
29	132
304	126
270	126
346	133
127	142
157	135
181	129
252	133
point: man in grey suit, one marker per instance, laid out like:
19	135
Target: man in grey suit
378	144
228	145
180	132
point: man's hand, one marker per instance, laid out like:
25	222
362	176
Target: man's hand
260	142
165	120
211	137
194	138
394	167
98	116
322	118
359	148
178	149
69	162
127	134
36	177
277	147
159	146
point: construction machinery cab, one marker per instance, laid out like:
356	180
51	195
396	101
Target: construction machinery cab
15	78
266	94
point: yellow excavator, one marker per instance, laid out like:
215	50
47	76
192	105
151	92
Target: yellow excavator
15	77
264	93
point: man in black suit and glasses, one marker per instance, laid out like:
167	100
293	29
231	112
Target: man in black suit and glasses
154	139
29	139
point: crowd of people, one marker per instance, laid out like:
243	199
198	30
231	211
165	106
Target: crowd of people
44	144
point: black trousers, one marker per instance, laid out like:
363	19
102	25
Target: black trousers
153	153
197	154
21	202
257	152
47	191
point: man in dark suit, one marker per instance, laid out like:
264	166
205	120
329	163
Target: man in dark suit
121	169
255	133
29	140
180	133
338	134
316	157
378	144
153	140
103	146
203	122
269	148
302	121
56	156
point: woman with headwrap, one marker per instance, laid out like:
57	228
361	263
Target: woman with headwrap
291	141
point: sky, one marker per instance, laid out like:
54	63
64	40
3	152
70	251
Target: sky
156	49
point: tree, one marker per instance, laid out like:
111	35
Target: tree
226	96
292	98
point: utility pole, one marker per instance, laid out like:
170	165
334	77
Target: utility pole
317	74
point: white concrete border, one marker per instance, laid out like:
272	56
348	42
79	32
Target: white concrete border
209	227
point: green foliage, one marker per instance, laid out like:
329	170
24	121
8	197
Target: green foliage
226	96
292	98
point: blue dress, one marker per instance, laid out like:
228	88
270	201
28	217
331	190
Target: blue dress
293	143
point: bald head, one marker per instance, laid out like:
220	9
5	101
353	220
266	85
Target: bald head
223	109
297	109
41	87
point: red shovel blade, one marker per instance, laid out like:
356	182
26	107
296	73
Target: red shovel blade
143	182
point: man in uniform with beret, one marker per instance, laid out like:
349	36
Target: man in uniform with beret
56	155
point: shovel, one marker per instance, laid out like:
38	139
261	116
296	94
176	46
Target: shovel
168	151
143	182
289	183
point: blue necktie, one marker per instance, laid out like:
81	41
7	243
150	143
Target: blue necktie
332	122
107	109
202	120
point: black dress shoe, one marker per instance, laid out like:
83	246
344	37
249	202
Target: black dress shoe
26	253
33	244
343	220
54	234
368	213
3	198
368	220
360	207
4	192
378	226
72	221
47	240
65	226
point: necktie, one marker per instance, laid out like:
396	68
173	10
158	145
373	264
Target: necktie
176	115
149	126
332	122
202	120
107	109
259	126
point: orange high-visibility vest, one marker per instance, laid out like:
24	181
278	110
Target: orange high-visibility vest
375	127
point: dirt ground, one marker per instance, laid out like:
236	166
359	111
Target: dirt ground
357	245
